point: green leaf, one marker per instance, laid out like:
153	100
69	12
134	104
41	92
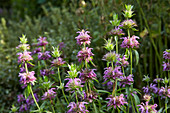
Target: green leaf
31	63
166	109
127	53
137	56
45	79
102	91
27	91
138	91
160	110
95	108
137	100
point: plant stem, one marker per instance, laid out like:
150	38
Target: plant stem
132	104
130	60
61	84
147	26
34	97
76	97
123	71
52	108
166	104
116	38
26	68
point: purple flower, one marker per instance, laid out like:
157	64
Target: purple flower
22	69
85	54
20	98
57	62
146	108
166	54
111	73
89	96
117	101
153	88
128	24
42	41
157	80
130	42
77	108
73	84
24	57
61	45
146	90
122	61
87	74
24	107
126	80
166	66
49	94
111	57
83	37
46	72
27	77
44	56
30	100
117	31
36	50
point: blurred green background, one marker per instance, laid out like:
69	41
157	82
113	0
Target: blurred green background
59	20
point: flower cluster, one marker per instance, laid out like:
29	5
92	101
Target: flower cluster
117	101
117	31
87	74
46	72
122	61
111	73
153	89
126	80
26	103
146	108
111	57
24	57
73	84
83	37
42	41
89	96
128	24
44	55
77	108
27	77
166	56
85	54
50	94
58	62
130	42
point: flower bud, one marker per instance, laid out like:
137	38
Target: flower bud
109	45
23	39
56	52
128	13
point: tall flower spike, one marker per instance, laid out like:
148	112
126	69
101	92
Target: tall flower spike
83	37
